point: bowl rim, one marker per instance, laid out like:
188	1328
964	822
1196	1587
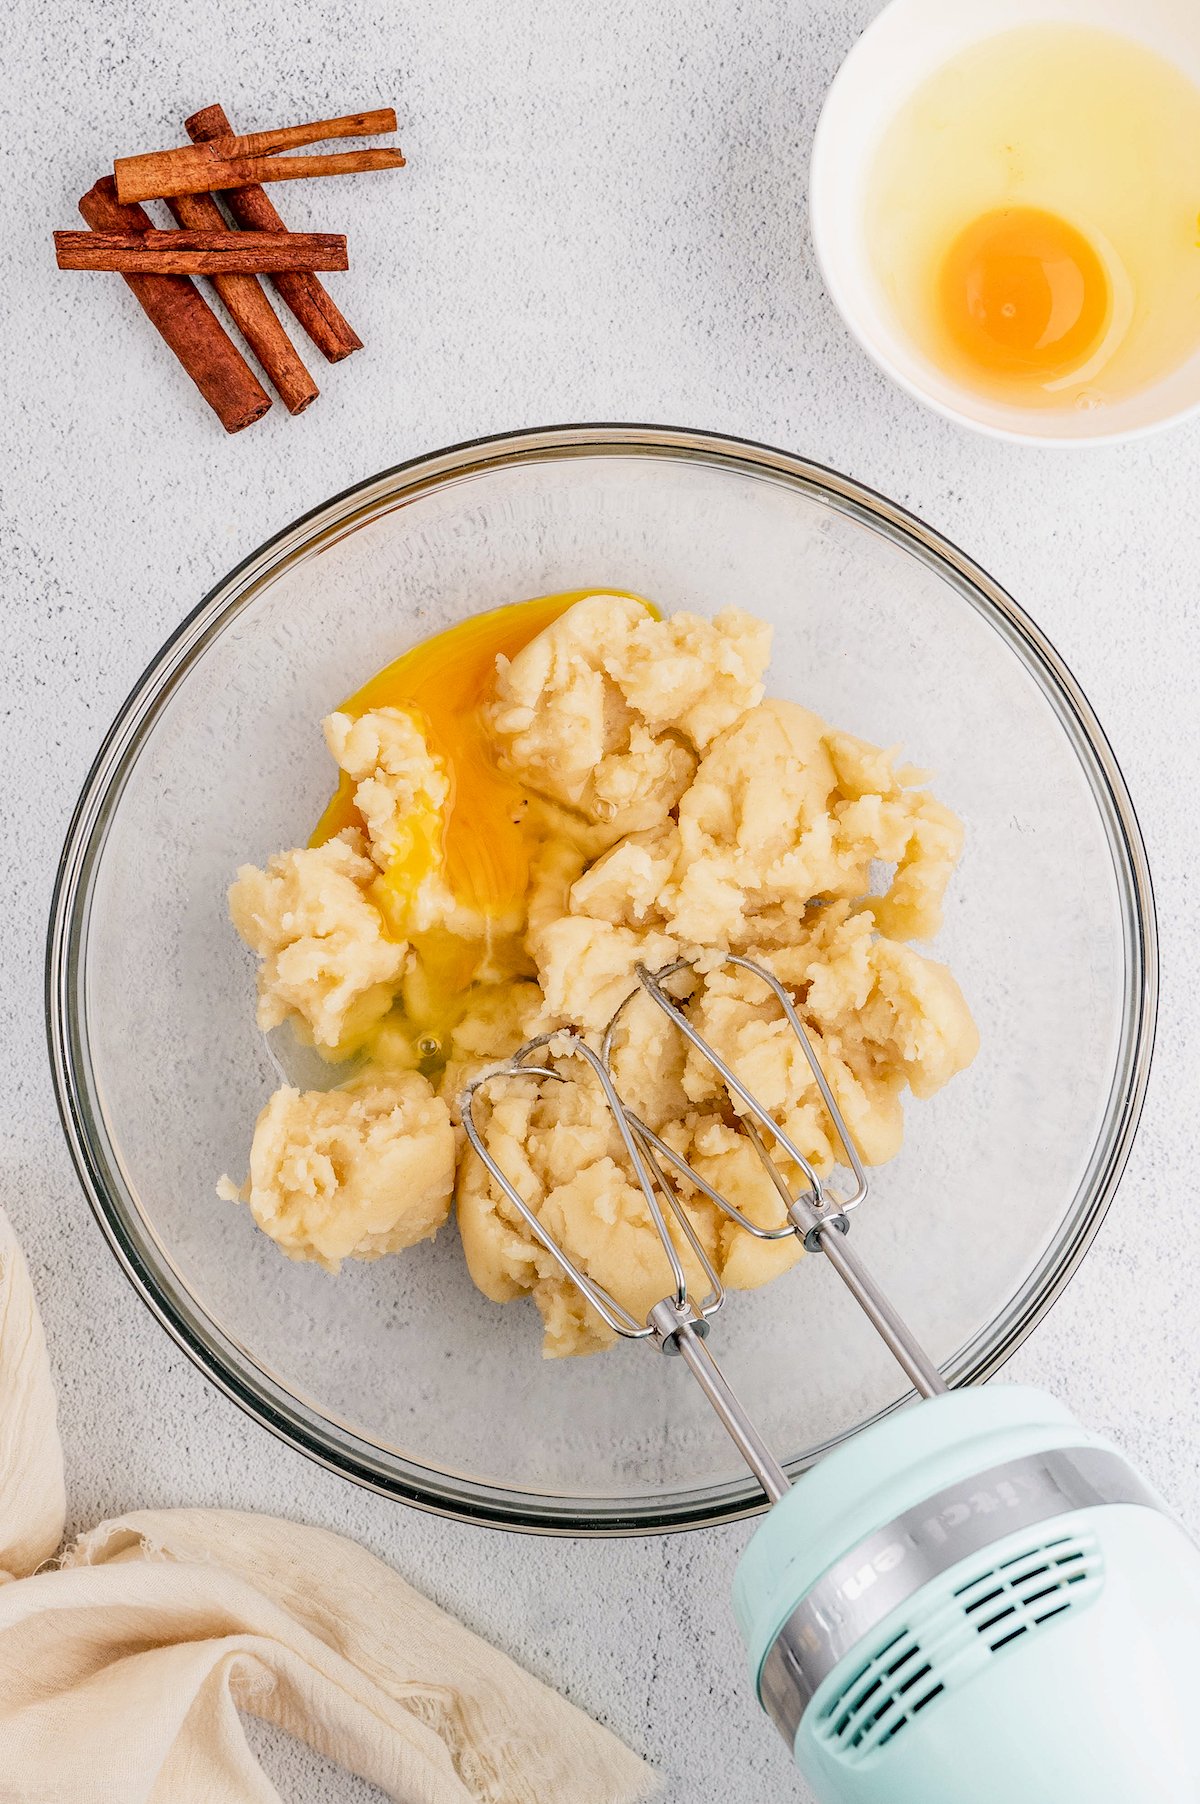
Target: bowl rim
824	153
331	1444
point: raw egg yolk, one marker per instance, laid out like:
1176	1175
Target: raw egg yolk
1021	292
478	841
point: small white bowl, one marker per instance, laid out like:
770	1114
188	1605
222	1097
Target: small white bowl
908	41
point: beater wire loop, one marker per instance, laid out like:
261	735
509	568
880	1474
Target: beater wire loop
643	1162
652	984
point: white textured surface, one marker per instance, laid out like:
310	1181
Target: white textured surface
603	218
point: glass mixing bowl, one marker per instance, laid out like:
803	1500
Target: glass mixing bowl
399	1374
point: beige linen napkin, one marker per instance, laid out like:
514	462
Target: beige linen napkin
123	1667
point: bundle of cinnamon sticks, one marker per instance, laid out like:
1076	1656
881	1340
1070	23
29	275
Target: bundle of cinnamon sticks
232	243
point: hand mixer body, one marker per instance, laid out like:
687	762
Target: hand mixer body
977	1600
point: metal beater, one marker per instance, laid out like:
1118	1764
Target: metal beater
974	1598
679	1324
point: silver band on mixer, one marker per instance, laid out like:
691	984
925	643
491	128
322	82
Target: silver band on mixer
893	1564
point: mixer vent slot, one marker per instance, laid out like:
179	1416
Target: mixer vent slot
1021	1593
882	1697
952	1636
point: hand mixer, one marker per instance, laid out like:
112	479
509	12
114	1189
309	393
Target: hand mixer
976	1600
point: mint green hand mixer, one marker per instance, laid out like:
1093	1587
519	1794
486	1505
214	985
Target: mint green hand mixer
976	1600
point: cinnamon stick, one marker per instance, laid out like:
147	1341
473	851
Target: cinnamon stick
250	310
183	317
199	253
294	137
300	290
159	174
229	161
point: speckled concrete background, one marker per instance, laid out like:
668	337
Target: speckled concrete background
603	218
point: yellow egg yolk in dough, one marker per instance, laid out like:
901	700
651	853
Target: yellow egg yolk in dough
478	841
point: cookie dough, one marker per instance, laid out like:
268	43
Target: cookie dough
328	961
400	791
350	1173
671	812
606	710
